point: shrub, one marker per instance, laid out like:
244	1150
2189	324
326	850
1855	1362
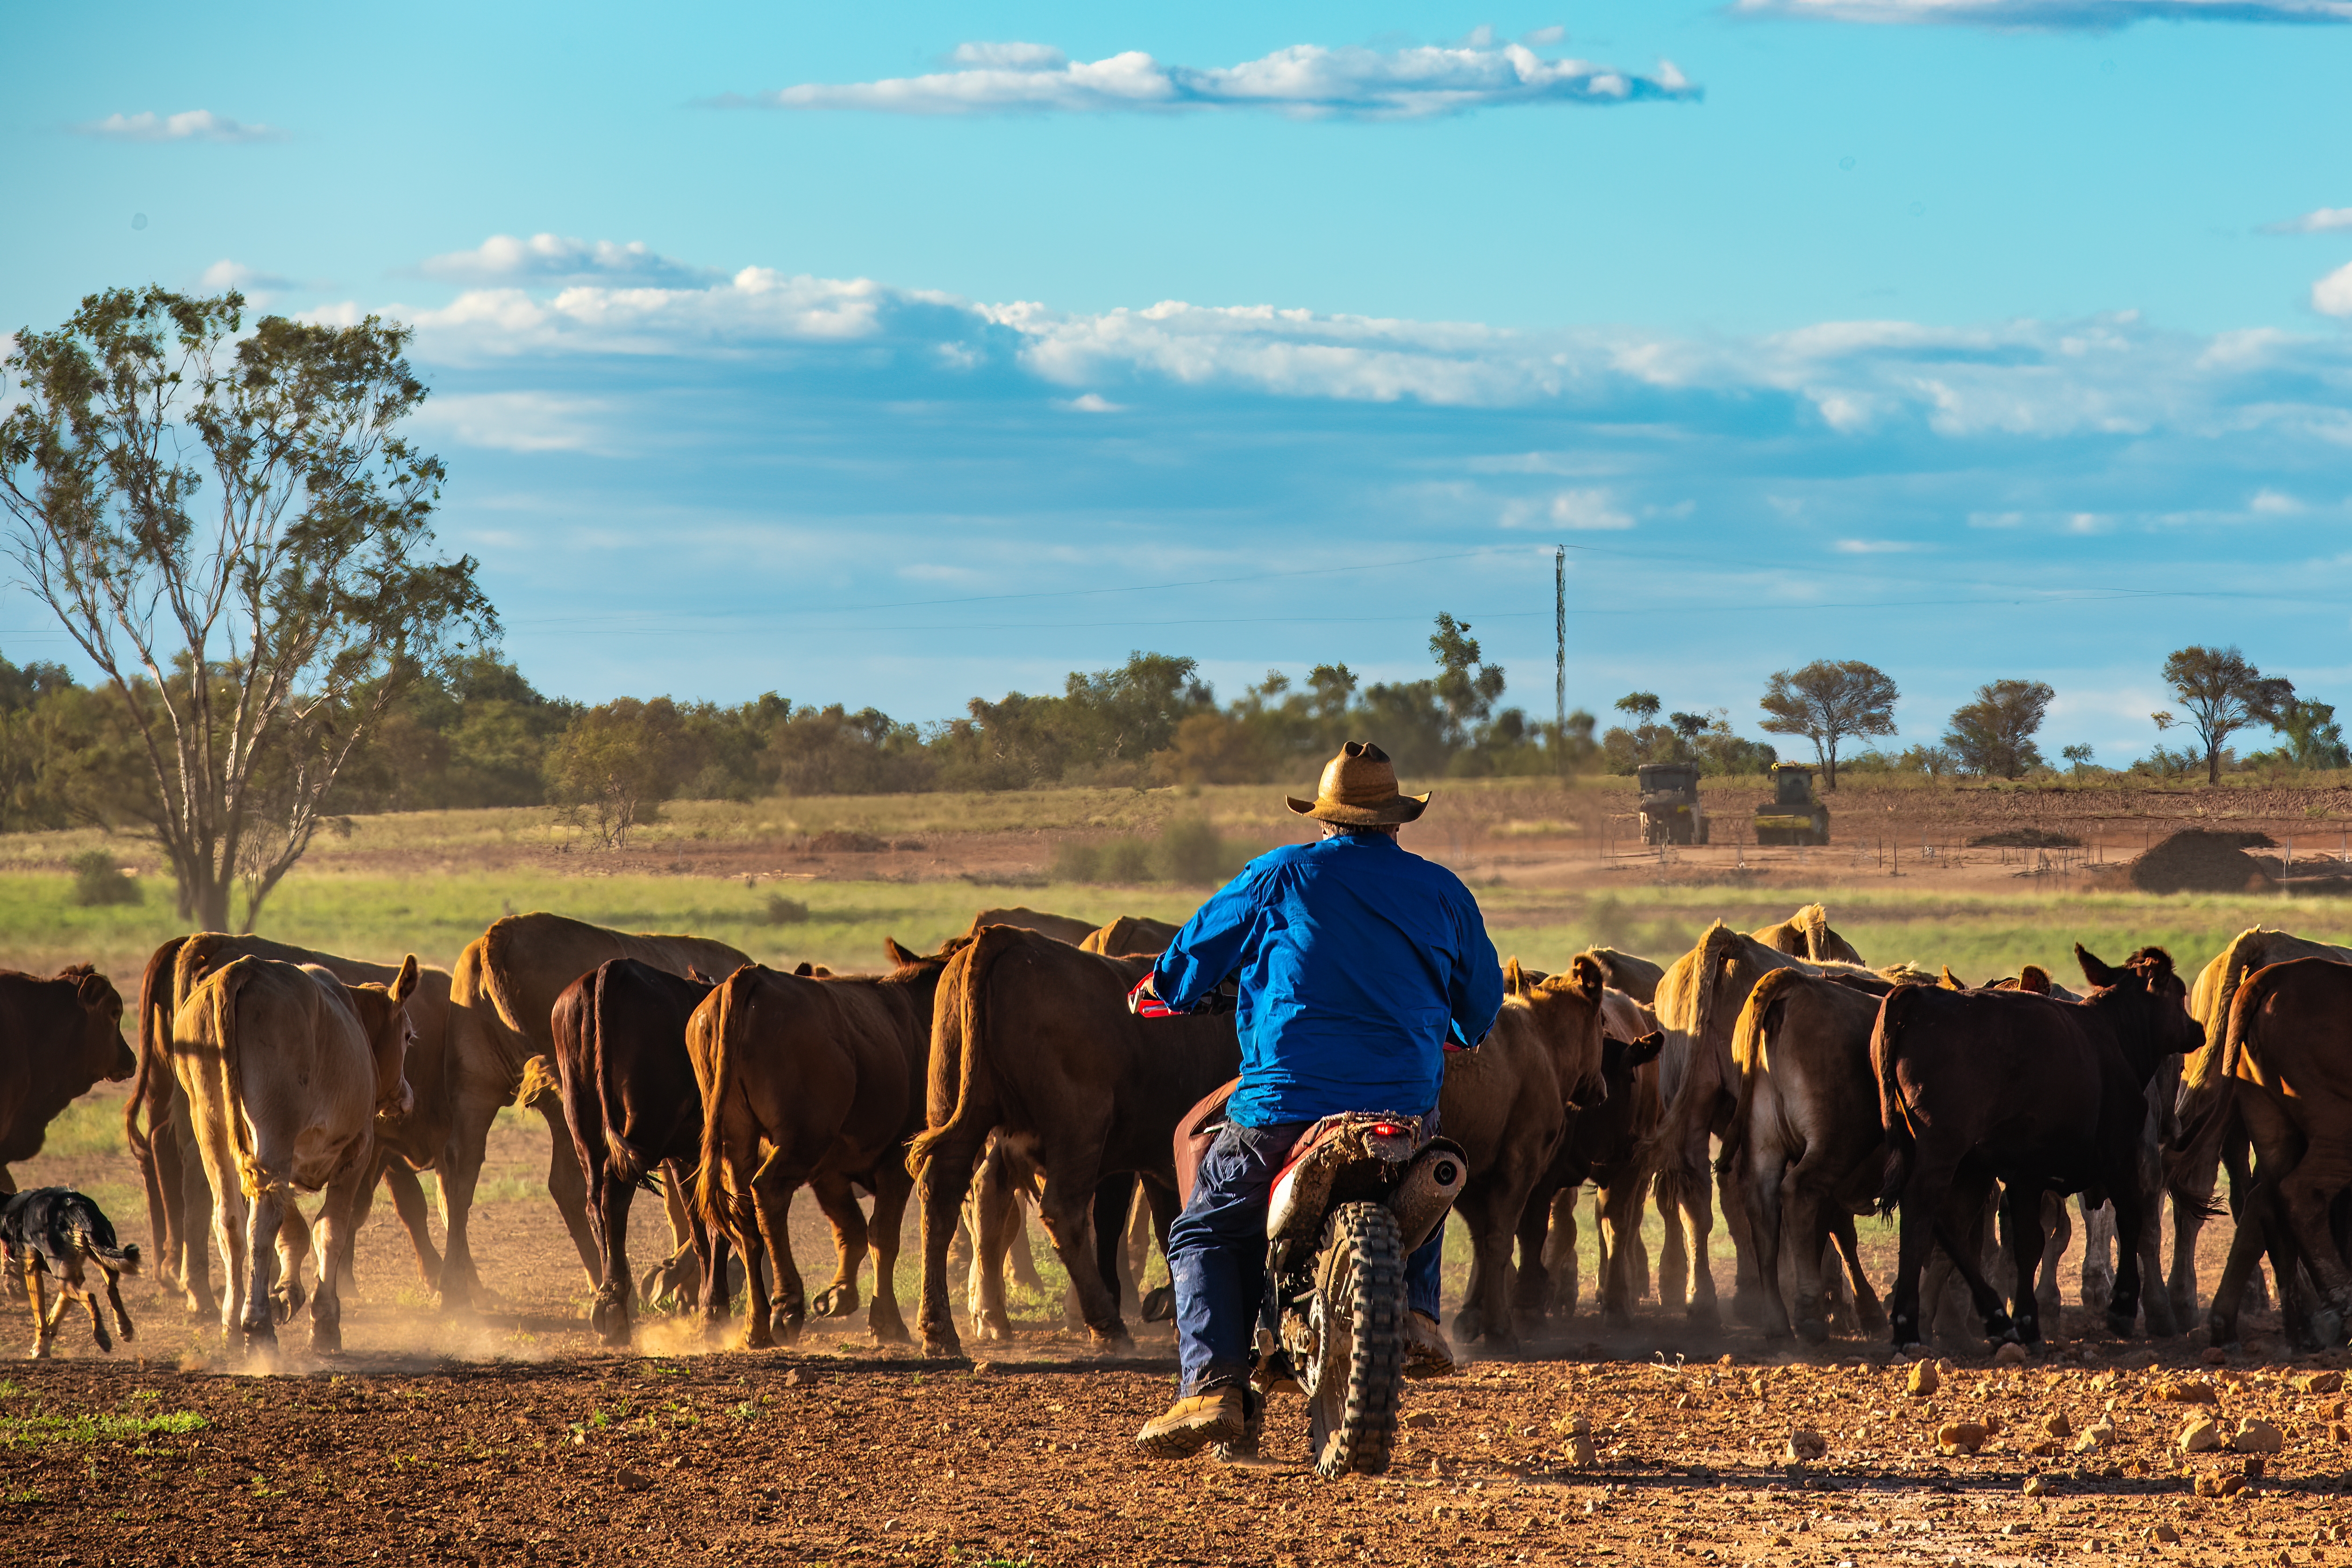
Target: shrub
99	881
1076	862
1193	851
1126	860
785	911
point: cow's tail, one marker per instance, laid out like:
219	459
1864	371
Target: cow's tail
1750	1037
957	1029
2197	1149
623	1161
152	1081
95	1233
710	1195
225	985
1894	1116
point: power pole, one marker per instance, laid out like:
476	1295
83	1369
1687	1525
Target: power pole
1559	666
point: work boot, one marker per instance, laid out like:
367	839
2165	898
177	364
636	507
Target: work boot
1253	1427
1426	1351
1193	1422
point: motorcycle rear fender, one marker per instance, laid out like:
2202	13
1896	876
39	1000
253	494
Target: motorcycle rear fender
1302	1190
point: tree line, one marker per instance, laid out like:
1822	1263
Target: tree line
2219	692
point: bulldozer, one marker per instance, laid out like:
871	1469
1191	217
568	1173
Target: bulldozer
1671	813
1793	816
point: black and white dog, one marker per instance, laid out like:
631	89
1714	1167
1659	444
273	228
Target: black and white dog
53	1232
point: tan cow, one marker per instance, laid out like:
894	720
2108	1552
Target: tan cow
500	999
1061	928
179	1200
285	1069
1130	936
1807	934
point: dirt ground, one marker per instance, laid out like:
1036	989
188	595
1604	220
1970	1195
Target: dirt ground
516	1438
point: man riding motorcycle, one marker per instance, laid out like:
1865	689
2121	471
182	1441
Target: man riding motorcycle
1356	962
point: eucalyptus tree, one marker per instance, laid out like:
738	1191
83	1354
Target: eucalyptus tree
234	529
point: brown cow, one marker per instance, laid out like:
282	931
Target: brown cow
500	999
2287	1060
1598	1147
1032	1040
1806	1126
285	1069
1067	929
179	1200
1979	1086
1130	936
1508	1104
2207	1142
1636	977
1807	934
632	1103
57	1036
816	1080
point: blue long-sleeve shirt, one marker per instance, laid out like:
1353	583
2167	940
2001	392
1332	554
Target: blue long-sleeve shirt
1354	957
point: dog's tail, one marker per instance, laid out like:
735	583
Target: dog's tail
94	1234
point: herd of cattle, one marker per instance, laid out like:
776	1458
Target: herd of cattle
1005	1069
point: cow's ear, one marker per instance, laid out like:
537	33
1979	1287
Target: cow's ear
1645	1049
2097	973
899	957
1586	976
405	985
1515	979
2033	978
1949	984
92	990
804	969
698	976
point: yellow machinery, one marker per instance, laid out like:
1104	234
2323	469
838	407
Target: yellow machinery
1793	816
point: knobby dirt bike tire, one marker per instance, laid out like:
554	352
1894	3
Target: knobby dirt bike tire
1352	1413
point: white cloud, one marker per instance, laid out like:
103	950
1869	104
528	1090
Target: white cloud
548	258
260	288
1588	511
2321	220
516	421
1544	38
190	125
2273	503
2332	295
1878	547
1091	403
2093	15
1306	79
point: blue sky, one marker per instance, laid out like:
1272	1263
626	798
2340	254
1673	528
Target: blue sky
866	357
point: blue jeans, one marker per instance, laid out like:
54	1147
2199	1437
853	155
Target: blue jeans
1216	1256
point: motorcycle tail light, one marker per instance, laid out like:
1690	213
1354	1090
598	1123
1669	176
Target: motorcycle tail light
1385	1128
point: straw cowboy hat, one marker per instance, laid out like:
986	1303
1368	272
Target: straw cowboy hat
1358	789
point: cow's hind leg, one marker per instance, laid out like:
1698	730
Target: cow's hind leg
2058	1235
264	1222
1114	1202
994	1215
2306	1193
2021	1213
1869	1314
772	1199
1068	1206
334	1232
1159	1305
1764	1190
408	1203
114	1301
293	1246
944	1177
892	1187
612	1198
1531	1293
839	1297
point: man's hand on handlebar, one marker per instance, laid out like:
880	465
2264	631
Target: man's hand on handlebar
1143	1000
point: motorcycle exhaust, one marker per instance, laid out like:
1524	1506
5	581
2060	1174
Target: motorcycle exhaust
1431	1183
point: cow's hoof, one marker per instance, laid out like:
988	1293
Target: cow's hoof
1468	1324
2327	1327
1160	1305
1812	1330
42	1351
326	1341
945	1347
890	1331
992	1331
1111	1339
835	1302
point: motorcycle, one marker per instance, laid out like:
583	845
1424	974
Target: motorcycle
1360	1193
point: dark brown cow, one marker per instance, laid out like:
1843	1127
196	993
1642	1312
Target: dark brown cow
1509	1105
1806	1126
814	1079
1598	1147
57	1036
1032	1040
2288	1060
2041	1095
630	1098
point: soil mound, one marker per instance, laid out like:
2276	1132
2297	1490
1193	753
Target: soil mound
2197	861
842	841
2025	838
